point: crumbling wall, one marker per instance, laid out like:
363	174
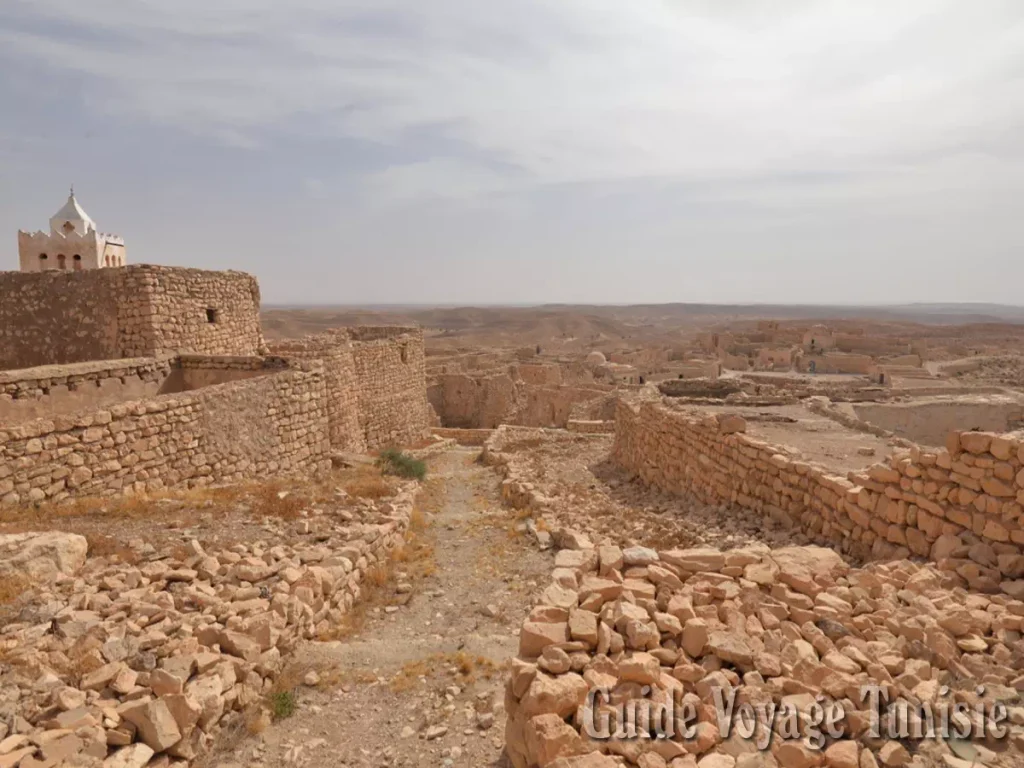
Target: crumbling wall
50	390
551	406
53	390
56	317
275	424
541	374
474	402
929	422
895	508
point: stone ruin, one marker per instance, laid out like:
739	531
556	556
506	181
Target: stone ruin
144	378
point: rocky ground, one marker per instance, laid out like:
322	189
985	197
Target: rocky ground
578	488
148	638
419	682
1005	370
241	629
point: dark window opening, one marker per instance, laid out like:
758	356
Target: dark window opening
77	257
405	354
43	257
212	316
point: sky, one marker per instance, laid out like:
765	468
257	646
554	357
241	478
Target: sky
531	151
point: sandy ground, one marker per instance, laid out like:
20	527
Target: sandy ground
419	683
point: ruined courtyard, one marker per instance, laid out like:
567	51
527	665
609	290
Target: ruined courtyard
209	557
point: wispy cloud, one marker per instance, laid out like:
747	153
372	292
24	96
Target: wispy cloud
624	151
555	92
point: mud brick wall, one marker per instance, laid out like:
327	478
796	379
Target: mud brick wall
391	385
334	350
913	502
272	424
55	317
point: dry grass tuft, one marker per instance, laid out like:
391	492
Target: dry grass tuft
365	482
464	667
12	586
275	500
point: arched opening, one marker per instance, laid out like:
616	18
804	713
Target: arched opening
42	260
77	259
68	226
62	261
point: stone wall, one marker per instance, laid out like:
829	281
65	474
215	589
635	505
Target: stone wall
912	503
334	350
376	383
274	424
391	384
928	422
189	310
50	390
474	402
57	317
551	406
485	402
53	390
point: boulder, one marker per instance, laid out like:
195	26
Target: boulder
42	556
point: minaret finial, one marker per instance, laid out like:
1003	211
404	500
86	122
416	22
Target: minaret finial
72	189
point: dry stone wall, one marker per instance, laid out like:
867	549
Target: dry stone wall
334	350
189	310
376	383
57	389
391	384
918	501
58	317
274	424
53	390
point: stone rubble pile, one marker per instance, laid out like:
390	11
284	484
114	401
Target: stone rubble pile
127	665
626	511
784	626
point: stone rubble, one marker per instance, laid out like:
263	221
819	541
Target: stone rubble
119	662
773	625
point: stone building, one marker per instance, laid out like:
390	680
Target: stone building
138	379
73	243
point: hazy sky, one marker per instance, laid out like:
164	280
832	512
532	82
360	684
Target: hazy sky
482	151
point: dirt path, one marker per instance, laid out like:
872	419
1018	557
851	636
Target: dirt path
418	682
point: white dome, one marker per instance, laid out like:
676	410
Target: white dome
596	358
72	214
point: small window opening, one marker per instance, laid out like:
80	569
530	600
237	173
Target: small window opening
77	257
212	315
405	353
43	257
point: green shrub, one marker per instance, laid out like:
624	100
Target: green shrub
393	462
282	704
